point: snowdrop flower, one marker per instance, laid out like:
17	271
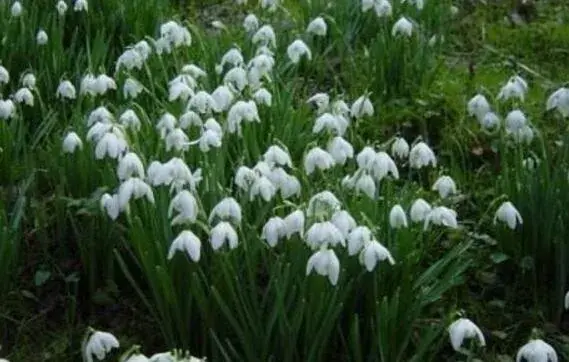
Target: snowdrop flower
337	124
132	88
250	23
99	344
421	155
490	121
445	186
361	182
7	109
270	5
71	142
16	9
275	155
223	233
110	204
29	81
110	144
400	148
508	214
209	139
135	188
232	57
177	139
180	175
190	118
317	158
383	8
478	106
524	135
218	24
202	102
166	124
129	119
275	228
244	178
130	60
228	210
41	37
566	300
294	223
24	95
419	210
237	78
186	205
462	329
136	358
186	241
402	27
322	202
536	350
381	165
265	36
61	7
66	90
321	100
340	107
100	115
358	238
340	150
175	34
325	263
263	96
130	166
374	252
289	187
397	217
516	87
262	187
81	5
515	121
344	222
4	75
179	90
324	234
441	215
317	27
239	112
559	100
223	97
362	107
297	49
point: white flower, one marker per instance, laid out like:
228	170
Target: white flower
402	27
361	181
344	222
61	7
236	77
322	202
559	100
383	8
136	358
135	188
340	150
379	164
358	238
208	139
461	329
186	205
317	158
362	107
566	300
367	5
478	106
66	90
490	121
294	223
421	155
515	121
226	209
324	234
41	37
244	178
186	241
129	119
174	34
508	214
132	88
110	204
262	187
239	112
223	97
130	166
263	96
337	124
265	36
81	5
317	27
321	100
190	118
232	57
99	344
523	135
24	95
325	263
419	210
275	228
71	142
4	75
270	5
373	252
536	350
445	186
7	109
251	23
397	217
441	215
400	148
516	87
275	155
177	140
16	9
29	80
297	49
223	233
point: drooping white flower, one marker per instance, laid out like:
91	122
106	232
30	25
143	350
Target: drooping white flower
380	166
137	357
175	35
209	139
264	188
559	100
508	214
16	9
24	95
336	124
177	139
41	37
66	90
7	109
265	36
358	238
110	204
317	27
263	96
99	344
340	150
445	186
228	210
61	7
397	217
223	233
515	121
269	5
421	155
362	107
186	205
297	49
294	223
490	121
71	142
464	328
110	145
80	5
325	263
178	90
250	23
372	253
4	75
236	78
275	229
232	57
536	350
187	242
324	234
135	188
130	166
400	148
321	100
223	97
276	155
383	8
289	186
441	215
323	202
317	158
29	81
239	112
361	181
402	27
190	118
478	106
419	210
129	119
516	87
344	222
132	88
566	300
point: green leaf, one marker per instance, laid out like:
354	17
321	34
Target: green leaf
498	258
41	277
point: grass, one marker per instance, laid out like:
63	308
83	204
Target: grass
66	266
